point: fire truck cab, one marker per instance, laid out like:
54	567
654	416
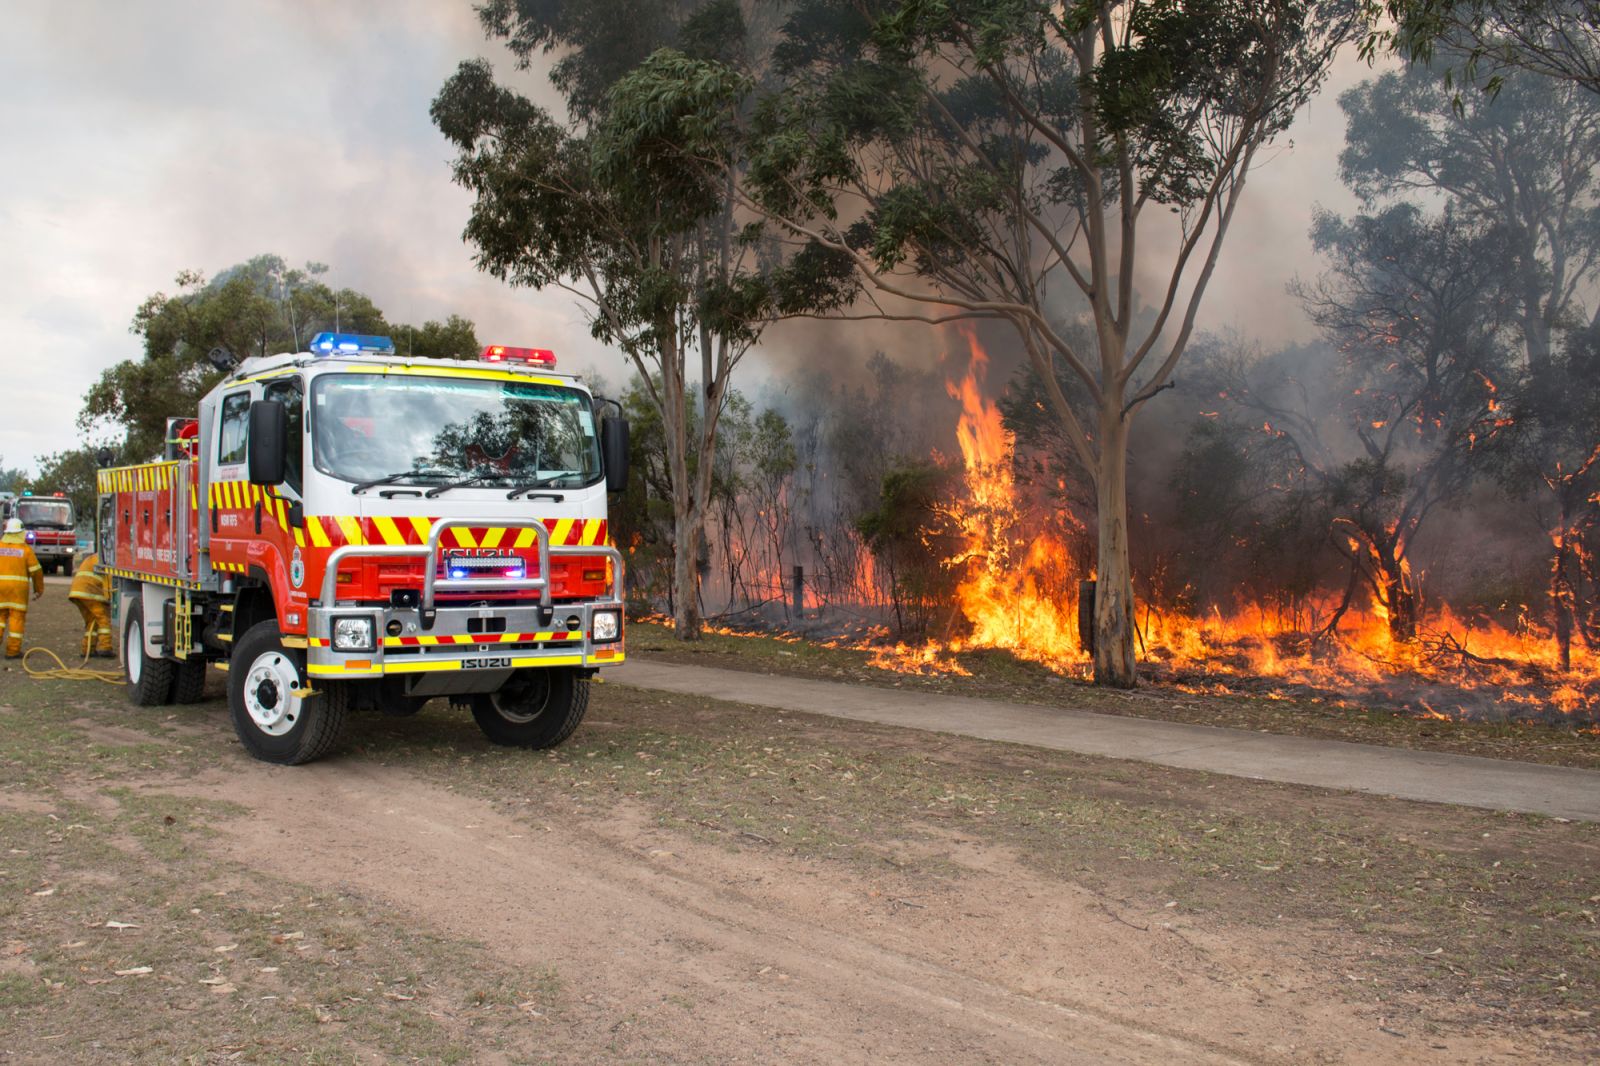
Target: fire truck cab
344	529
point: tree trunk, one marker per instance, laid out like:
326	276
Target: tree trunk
1115	663
685	551
685	516
1398	593
1561	591
1402	608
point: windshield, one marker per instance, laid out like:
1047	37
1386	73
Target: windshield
45	512
367	427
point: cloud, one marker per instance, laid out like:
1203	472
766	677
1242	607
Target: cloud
147	139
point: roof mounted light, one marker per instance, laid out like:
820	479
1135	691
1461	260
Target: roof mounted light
350	344
501	353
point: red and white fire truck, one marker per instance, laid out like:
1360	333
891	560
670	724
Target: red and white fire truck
343	529
49	522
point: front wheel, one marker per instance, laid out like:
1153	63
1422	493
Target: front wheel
536	708
274	719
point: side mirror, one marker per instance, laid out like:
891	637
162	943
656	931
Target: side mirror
268	441
614	452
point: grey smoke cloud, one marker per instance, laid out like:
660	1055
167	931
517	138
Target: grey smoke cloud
145	139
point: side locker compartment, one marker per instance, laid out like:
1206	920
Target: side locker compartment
164	520
122	506
144	520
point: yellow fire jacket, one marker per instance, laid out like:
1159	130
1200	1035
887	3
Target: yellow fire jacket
88	585
18	566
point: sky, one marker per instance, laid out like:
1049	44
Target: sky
145	139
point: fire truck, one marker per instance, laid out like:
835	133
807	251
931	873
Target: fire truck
49	522
342	529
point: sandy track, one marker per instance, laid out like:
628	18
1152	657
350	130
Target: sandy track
671	950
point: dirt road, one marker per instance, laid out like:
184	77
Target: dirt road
706	921
707	954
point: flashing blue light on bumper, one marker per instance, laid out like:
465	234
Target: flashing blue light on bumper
350	343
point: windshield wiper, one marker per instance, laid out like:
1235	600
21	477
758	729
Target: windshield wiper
543	482
463	483
390	479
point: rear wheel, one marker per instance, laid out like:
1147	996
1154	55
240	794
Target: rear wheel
149	679
189	684
534	708
275	721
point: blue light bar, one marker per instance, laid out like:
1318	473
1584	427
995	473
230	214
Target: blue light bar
350	343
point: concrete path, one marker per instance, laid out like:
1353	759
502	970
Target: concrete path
1495	784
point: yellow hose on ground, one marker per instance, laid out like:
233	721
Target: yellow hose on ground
62	672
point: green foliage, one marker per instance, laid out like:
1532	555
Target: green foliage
1483	40
12	478
904	533
260	307
72	472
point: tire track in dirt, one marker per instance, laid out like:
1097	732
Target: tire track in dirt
692	952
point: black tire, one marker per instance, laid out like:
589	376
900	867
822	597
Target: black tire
536	708
189	685
273	723
149	680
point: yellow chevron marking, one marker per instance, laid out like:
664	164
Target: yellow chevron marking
387	532
491	537
464	537
421	526
299	537
525	539
591	532
350	526
319	537
563	529
428	640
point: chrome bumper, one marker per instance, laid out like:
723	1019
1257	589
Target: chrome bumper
489	640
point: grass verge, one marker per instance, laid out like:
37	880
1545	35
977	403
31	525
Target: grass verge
1001	676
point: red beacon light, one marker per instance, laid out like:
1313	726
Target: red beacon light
501	353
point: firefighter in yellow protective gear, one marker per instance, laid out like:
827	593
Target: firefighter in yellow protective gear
18	566
91	592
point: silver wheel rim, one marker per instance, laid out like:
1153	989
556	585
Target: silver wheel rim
134	652
271	693
513	703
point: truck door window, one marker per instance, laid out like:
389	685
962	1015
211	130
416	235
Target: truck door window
291	394
235	429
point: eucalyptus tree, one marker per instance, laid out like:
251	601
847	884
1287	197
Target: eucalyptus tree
1485	38
258	307
968	159
596	203
1407	416
1526	162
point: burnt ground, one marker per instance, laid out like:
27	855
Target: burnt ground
692	881
1357	717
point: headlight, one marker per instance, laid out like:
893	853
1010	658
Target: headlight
606	625
352	634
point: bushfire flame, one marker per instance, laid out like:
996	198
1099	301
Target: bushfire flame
1016	593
